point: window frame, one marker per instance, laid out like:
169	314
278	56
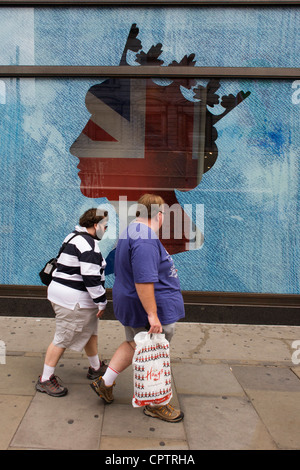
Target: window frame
147	71
183	3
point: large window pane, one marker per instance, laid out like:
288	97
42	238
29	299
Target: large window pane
218	36
231	168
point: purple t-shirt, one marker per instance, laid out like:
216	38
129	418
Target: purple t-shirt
141	258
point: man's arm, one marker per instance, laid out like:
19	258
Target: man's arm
147	298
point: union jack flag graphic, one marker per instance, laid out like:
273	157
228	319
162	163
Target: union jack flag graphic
146	137
139	139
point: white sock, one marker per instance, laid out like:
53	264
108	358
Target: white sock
110	376
47	372
94	361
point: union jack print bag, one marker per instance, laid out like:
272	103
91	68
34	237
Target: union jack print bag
151	370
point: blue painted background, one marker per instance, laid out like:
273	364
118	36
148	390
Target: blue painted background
250	196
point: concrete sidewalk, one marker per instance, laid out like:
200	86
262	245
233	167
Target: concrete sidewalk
237	385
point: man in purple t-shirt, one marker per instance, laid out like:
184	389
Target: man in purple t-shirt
146	295
142	265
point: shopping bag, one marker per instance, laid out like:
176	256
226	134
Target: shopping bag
151	370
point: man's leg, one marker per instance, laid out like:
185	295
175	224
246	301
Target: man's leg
53	355
121	359
97	367
48	383
91	349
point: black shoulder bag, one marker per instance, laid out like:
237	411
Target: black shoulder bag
47	272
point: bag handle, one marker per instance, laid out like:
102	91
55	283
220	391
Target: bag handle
143	336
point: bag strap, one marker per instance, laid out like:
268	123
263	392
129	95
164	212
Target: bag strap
65	244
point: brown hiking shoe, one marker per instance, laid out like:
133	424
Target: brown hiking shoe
104	392
51	387
164	412
95	374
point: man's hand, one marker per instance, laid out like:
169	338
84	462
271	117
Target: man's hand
155	325
99	314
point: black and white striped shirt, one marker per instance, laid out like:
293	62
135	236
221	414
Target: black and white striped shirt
79	277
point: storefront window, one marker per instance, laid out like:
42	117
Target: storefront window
67	144
223	152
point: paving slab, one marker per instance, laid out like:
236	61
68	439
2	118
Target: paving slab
280	412
275	394
266	378
122	421
70	423
141	443
224	423
27	334
247	343
296	371
205	379
12	411
19	375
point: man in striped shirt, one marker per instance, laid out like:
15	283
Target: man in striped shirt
77	295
